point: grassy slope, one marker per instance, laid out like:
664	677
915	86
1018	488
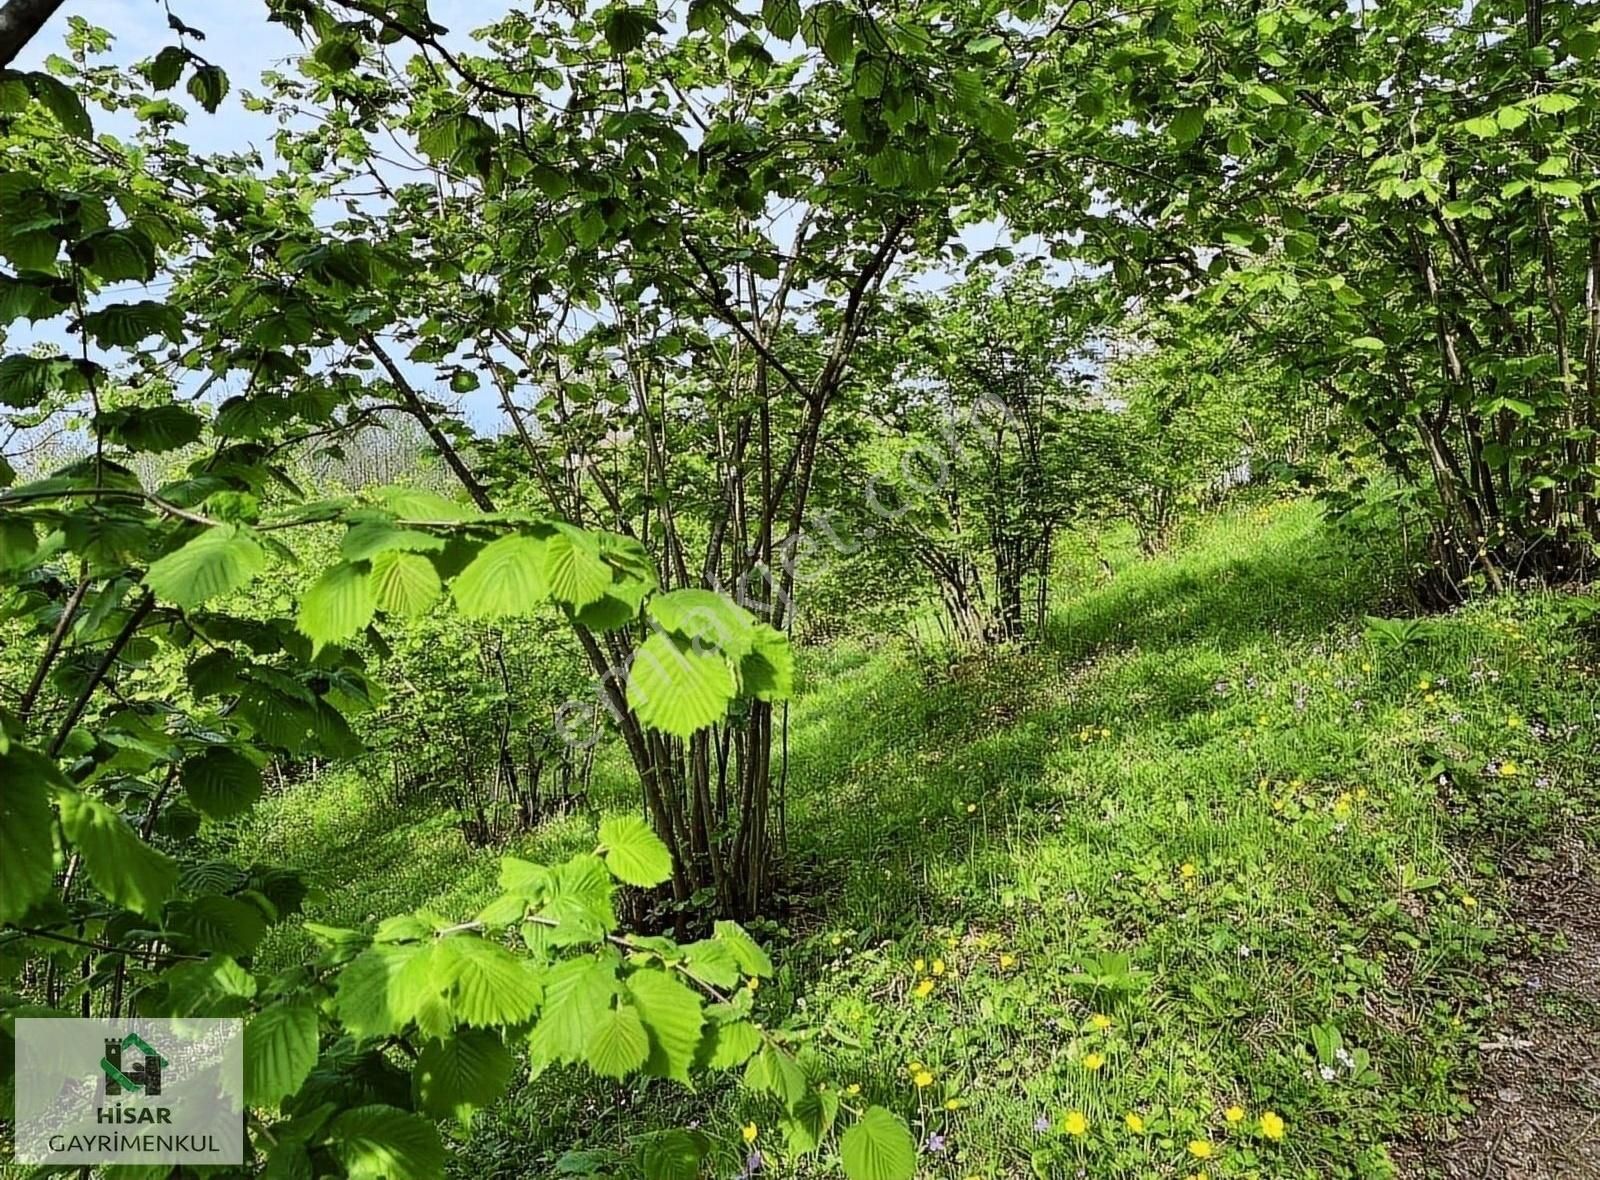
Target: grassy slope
1209	775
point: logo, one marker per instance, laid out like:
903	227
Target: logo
146	1075
131	1091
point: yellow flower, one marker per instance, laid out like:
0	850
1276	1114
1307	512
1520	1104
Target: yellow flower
853	1089
1271	1125
1508	769
952	1104
1201	1149
938	966
915	1067
1093	1061
1424	684
919	965
971	807
924	1079
837	939
1187	870
1075	1123
1007	962
1513	721
749	1132
1135	1122
752	983
923	989
1366	665
1468	901
1104	732
1100	1021
1234	1114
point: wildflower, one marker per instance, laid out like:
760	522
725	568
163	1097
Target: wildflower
1468	901
919	965
952	1104
971	807
1234	1114
749	1131
1100	1022
923	989
1271	1125
1187	870
1076	1124
915	1067
1508	769
1202	1149
752	983
935	1143
938	966
1328	1073
1366	665
836	939
1424	684
752	1164
1041	1124
853	1089
1104	732
1093	1061
1135	1122
923	1079
1007	962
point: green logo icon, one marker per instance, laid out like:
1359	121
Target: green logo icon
145	1075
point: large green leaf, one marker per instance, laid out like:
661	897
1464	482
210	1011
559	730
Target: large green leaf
124	325
706	616
26	855
370	1000
505	579
633	852
219	560
122	866
767	673
878	1147
156	429
673	1016
225	925
280	1049
221	782
383	1143
486	983
338	605
573	569
461	1073
577	993
618	1044
403	583
677	689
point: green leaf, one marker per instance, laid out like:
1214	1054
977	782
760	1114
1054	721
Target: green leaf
1188	124
573	569
487	984
368	1002
505	579
673	1155
708	617
225	925
26	853
746	951
218	561
166	67
366	540
208	85
733	1043
462	1073
157	429
617	1044
672	1016
767	673
122	866
117	254
221	782
677	689
338	605
878	1147
280	1049
62	102
383	1143
633	852
403	583
577	993
782	17
125	325
626	28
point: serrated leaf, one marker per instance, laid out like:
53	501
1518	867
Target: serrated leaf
125	325
733	1043
782	17
462	1073
338	605
366	1000
746	951
672	1016
677	689
486	984
218	561
156	430
280	1049
618	1044
403	583
122	866
878	1147
573	569
706	617
208	85
576	994
26	853
767	673
633	852
225	925
384	1143
505	579
221	782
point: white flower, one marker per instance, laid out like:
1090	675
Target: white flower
1328	1073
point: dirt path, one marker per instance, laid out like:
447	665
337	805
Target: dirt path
1538	1102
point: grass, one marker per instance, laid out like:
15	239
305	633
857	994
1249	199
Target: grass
1214	851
